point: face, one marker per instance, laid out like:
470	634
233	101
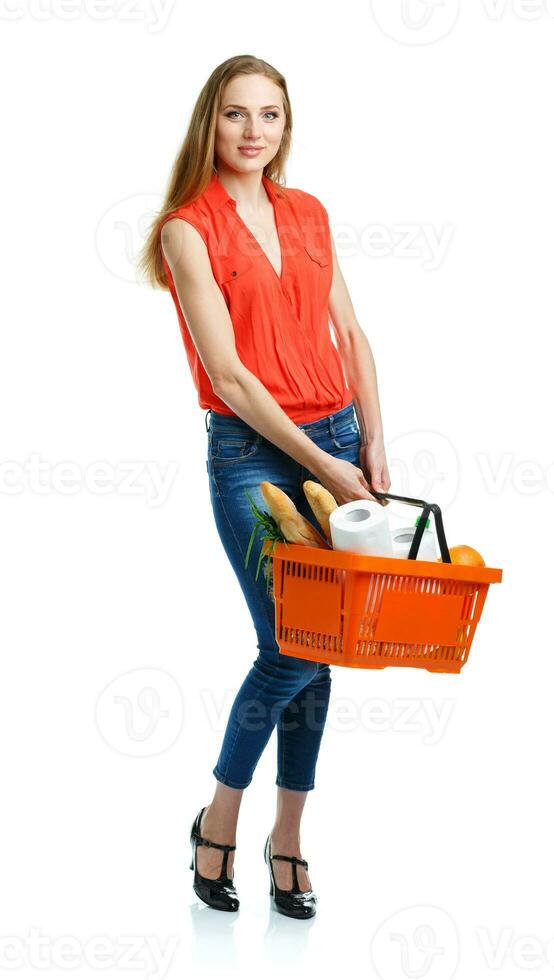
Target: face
251	115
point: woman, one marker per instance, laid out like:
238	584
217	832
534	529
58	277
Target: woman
252	270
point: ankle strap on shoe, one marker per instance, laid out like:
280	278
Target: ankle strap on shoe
211	843
285	857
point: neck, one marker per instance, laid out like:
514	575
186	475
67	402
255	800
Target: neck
247	189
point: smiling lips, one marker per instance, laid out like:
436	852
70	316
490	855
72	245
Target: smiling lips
250	150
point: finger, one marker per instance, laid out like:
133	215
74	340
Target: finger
367	488
376	486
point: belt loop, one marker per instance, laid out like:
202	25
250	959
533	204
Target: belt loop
209	412
331	423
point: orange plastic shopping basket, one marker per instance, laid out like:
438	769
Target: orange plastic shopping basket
353	610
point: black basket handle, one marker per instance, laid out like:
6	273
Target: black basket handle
427	508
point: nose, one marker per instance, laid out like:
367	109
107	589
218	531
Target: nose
250	130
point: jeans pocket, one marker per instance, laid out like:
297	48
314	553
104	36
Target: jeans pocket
233	449
346	433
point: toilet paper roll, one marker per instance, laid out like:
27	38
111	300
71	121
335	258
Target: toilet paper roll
361	526
402	538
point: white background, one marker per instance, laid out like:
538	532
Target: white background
126	636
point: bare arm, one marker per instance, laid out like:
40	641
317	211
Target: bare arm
359	367
212	331
356	357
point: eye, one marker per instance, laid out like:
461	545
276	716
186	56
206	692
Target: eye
235	112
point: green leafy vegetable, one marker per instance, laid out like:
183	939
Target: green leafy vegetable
264	522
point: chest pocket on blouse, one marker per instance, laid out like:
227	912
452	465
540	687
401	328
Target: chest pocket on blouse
228	269
318	255
320	271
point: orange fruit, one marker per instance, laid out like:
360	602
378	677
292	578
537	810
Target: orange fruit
464	554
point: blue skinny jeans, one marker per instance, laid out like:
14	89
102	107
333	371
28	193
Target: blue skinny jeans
279	691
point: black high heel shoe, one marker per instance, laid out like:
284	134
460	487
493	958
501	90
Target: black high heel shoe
293	902
220	892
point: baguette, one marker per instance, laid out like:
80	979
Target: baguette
294	527
322	503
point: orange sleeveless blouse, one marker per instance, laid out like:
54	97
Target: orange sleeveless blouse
281	323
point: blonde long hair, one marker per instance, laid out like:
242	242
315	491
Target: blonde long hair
194	166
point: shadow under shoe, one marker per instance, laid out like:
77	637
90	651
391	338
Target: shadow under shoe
219	893
292	901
